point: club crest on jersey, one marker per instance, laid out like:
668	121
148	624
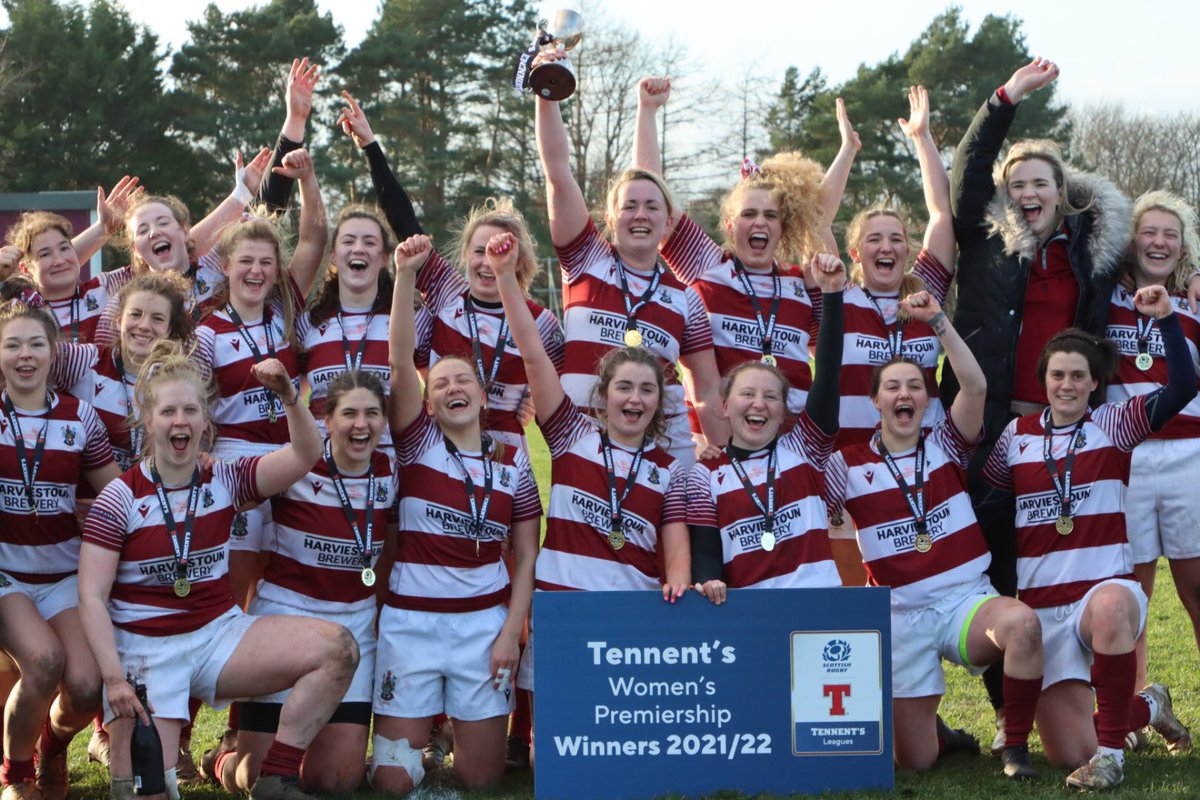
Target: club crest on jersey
653	477
239	525
664	297
316	487
381	493
504	477
387	687
91	303
798	289
144	509
1080	440
208	500
68	435
201	286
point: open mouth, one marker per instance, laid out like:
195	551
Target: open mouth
357	264
640	230
254	283
456	403
485	274
632	415
161	249
905	412
1031	211
360	439
759	241
755	422
885	263
26	370
180	442
1153	256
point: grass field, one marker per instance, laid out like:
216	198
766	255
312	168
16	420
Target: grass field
1150	774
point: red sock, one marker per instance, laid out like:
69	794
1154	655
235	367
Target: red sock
282	759
51	744
522	719
98	723
16	771
1139	713
1020	706
1113	679
194	704
232	724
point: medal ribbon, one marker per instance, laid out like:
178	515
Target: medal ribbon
478	510
258	356
915	497
1144	326
614	502
29	467
631	309
895	331
362	542
182	551
486	376
768	510
353	359
136	433
1061	487
766	330
75	317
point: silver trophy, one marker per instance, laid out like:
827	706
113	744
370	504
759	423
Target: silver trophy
556	80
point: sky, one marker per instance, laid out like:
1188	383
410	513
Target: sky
1141	54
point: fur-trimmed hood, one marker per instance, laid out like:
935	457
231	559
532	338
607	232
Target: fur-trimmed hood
1106	210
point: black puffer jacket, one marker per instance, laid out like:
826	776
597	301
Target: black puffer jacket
996	248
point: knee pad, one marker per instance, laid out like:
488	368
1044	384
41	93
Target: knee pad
396	753
122	788
172	781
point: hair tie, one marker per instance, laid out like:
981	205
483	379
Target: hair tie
32	298
750	169
248	217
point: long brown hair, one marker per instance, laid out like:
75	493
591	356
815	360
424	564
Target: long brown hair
607	370
326	303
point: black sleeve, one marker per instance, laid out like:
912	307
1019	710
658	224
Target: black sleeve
395	202
971	184
707	561
276	190
1180	388
823	399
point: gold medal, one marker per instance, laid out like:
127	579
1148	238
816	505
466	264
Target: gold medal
1144	361
368	576
924	543
1064	525
769	360
633	338
616	540
768	541
183	587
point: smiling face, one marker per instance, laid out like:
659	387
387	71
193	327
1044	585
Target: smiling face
483	280
1069	383
53	264
756	229
1157	245
145	319
355	425
639	219
755	406
901	399
1033	187
26	350
252	269
630	401
883	253
359	254
176	425
159	239
453	396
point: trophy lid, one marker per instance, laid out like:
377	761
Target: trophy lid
566	26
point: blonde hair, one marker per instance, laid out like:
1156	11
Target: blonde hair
127	238
1189	254
260	229
636	174
1048	151
794	183
33	224
170	360
500	213
911	283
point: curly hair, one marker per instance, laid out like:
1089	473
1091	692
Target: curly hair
1189	254
172	286
326	303
500	213
33	224
794	183
606	370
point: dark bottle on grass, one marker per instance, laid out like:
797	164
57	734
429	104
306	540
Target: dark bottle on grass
145	751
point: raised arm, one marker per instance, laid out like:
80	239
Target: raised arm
544	385
314	228
967	408
280	468
298	97
395	202
653	94
564	199
1180	388
247	179
110	217
833	185
823	403
402	336
939	235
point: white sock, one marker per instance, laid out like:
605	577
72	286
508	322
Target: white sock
1150	701
1117	753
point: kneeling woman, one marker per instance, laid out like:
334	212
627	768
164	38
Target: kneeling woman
942	604
154	586
1074	562
724	493
448	641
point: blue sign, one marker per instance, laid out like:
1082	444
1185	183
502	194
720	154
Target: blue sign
776	691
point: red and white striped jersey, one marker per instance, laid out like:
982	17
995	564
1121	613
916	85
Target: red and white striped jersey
802	558
243	408
316	565
1131	381
445	291
866	345
44	547
79	315
859	480
205	275
672	322
127	518
90	373
576	553
1054	569
438	566
701	263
